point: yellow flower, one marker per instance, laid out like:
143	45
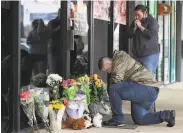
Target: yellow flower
97	83
55	101
95	76
58	106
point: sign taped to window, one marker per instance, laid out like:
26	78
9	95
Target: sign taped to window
164	9
79	18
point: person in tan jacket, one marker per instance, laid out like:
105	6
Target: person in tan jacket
133	82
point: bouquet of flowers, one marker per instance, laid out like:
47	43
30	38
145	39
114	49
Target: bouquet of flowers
97	89
54	81
76	107
70	89
28	106
96	94
84	85
56	111
41	105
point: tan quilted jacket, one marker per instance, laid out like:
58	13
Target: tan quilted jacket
125	68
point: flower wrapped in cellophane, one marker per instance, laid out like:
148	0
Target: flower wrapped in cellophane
56	111
70	89
98	96
97	89
75	108
84	86
54	80
41	99
27	104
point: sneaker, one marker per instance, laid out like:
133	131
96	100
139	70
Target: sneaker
113	123
171	122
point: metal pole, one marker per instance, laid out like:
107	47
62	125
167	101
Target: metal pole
178	40
111	30
130	17
110	37
64	51
91	37
15	7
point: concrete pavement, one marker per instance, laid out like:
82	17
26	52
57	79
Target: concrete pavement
170	97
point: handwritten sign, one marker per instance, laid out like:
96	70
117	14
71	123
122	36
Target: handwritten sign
80	21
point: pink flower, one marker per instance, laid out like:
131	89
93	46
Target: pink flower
68	82
64	83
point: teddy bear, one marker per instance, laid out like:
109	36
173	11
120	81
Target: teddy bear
97	120
74	123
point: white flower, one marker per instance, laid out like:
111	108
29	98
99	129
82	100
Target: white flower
53	79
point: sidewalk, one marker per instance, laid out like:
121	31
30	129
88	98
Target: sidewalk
170	97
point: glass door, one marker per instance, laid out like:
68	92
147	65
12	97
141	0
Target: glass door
36	37
173	42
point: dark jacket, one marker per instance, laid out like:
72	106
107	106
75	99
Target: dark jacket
38	42
145	43
55	34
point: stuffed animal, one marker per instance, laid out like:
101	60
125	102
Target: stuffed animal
79	124
74	123
88	120
97	120
39	80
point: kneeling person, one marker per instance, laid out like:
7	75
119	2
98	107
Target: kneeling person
133	82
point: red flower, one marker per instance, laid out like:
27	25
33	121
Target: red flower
66	102
68	82
25	94
64	83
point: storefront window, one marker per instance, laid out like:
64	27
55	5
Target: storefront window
167	48
119	20
116	37
79	56
36	35
153	8
160	40
173	42
141	2
167	41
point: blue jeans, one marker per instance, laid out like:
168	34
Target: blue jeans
150	62
142	98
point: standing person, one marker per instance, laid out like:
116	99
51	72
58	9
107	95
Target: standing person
37	39
54	44
131	81
144	31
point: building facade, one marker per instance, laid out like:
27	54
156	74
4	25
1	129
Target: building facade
106	23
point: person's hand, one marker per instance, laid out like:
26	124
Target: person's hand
138	23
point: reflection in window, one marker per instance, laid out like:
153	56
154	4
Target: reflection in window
160	39
173	42
167	49
116	37
153	8
35	34
79	56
